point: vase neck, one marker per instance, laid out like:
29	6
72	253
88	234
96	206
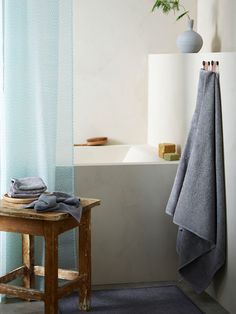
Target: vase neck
190	25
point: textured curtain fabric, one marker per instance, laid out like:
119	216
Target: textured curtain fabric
37	104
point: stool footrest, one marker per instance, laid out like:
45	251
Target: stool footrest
21	292
71	286
20	271
62	273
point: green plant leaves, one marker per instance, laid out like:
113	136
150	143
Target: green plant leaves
181	15
166	5
169	5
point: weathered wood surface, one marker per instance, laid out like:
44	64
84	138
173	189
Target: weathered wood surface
49	225
21	225
20	271
30	214
28	260
68	224
62	273
51	269
84	261
21	292
71	286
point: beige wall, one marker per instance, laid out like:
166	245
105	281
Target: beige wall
112	41
217	24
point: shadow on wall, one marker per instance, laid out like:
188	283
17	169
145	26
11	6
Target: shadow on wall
218	285
224	38
216	41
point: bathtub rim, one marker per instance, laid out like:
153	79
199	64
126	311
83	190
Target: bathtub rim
159	160
138	163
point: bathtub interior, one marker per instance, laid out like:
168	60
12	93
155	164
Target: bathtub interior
112	154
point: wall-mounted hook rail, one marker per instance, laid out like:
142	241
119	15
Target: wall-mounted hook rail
211	66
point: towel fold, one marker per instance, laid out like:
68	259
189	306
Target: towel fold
58	201
26	187
197	200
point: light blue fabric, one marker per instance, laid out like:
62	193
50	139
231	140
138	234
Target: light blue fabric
37	112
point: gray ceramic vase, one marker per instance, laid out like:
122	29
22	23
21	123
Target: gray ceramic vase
189	41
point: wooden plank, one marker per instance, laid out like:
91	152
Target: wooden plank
20	271
71	286
51	268
21	225
31	214
89	202
85	260
62	273
70	223
28	260
21	292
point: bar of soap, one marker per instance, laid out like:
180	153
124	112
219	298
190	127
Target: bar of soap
165	148
171	156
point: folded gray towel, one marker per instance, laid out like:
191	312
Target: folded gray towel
197	200
58	201
28	184
26	187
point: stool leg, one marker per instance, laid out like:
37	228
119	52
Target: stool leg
28	259
51	269
85	260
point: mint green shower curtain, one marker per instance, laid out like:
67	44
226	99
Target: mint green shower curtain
36	105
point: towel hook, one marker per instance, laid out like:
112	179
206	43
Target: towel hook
211	66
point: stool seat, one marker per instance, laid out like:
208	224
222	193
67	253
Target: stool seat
49	225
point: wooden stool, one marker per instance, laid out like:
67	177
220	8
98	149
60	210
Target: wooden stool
49	225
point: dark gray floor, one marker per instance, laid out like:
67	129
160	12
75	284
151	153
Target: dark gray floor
204	301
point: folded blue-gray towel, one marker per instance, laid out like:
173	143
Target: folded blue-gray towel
26	187
197	201
58	201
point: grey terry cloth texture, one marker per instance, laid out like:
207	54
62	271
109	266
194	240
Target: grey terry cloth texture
58	201
26	187
197	200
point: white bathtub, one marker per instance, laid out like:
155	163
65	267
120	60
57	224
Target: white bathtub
133	240
116	154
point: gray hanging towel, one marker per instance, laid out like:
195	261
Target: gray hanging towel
197	200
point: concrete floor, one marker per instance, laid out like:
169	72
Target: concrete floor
203	301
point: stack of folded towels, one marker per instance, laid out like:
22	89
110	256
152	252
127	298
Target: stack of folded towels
23	191
29	193
29	187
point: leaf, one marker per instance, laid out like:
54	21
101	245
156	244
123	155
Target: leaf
157	4
181	15
164	5
168	5
175	4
